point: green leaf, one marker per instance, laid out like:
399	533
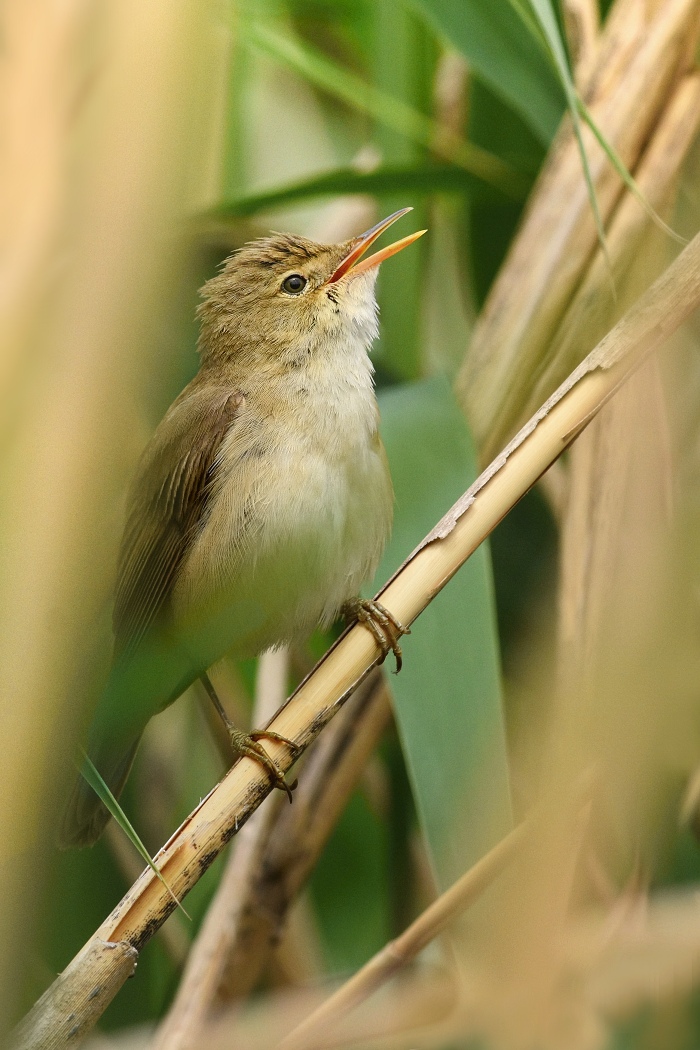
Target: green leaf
92	775
387	110
350	889
421	179
448	699
405	71
494	39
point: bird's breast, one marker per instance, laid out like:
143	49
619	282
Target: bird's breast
299	513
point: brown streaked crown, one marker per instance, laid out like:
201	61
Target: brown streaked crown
245	305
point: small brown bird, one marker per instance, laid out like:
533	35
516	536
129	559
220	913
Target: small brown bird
263	501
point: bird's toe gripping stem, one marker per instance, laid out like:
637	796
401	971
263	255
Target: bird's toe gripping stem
248	744
383	625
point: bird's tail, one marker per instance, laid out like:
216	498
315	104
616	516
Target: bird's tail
85	816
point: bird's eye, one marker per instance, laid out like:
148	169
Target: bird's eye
294	284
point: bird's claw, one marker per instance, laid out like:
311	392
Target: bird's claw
247	744
382	624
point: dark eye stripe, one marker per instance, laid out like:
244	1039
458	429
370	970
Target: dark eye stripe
294	284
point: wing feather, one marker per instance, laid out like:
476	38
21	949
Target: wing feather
167	504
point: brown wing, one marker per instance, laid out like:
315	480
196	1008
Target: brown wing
168	500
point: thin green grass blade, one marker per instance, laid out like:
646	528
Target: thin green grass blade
424	179
392	112
524	11
616	161
92	775
550	28
544	13
448	699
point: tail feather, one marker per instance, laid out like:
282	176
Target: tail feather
85	816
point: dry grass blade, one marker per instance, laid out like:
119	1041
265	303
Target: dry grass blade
558	236
403	949
183	860
619	40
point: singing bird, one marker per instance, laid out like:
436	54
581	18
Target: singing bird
262	502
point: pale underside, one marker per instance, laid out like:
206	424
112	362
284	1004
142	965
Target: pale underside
297	524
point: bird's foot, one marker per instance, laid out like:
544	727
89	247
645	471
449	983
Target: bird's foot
247	744
383	625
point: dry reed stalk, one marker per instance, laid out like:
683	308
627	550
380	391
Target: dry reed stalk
61	1019
558	236
619	40
38	85
616	519
256	891
394	955
95	175
634	972
192	848
623	659
581	25
593	306
173	934
37	92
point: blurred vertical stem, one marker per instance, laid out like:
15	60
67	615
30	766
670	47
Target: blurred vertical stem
405	71
627	651
96	120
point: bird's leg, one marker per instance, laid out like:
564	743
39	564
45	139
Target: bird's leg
383	625
247	743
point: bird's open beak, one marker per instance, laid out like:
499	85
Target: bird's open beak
362	243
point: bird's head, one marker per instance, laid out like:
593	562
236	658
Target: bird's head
281	297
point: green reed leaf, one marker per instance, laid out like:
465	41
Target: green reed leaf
92	775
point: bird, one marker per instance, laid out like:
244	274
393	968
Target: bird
262	502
